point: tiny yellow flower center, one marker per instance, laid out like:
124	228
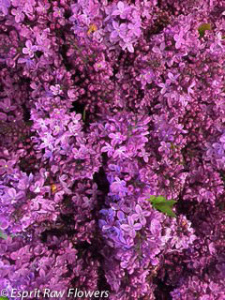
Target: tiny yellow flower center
53	188
92	28
184	223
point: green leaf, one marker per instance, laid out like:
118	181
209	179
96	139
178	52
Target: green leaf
151	198
159	199
161	204
166	209
202	28
4	298
3	236
171	203
155	200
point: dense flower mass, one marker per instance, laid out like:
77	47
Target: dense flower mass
112	147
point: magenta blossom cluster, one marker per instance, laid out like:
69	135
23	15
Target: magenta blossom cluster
112	148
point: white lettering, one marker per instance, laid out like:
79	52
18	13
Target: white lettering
82	294
70	292
89	293
47	293
24	294
57	294
13	293
106	294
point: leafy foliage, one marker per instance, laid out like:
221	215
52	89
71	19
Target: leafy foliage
163	205
202	28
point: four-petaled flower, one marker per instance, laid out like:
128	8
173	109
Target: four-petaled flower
119	32
134	29
122	10
58	12
120	153
131	228
164	86
126	43
6	105
140	214
119	186
117	138
56	89
19	16
30	49
22	255
6	166
4	6
172	78
11	196
146	77
165	147
179	40
43	8
99	66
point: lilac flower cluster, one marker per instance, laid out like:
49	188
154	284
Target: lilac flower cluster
104	104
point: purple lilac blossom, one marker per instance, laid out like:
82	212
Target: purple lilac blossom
104	104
